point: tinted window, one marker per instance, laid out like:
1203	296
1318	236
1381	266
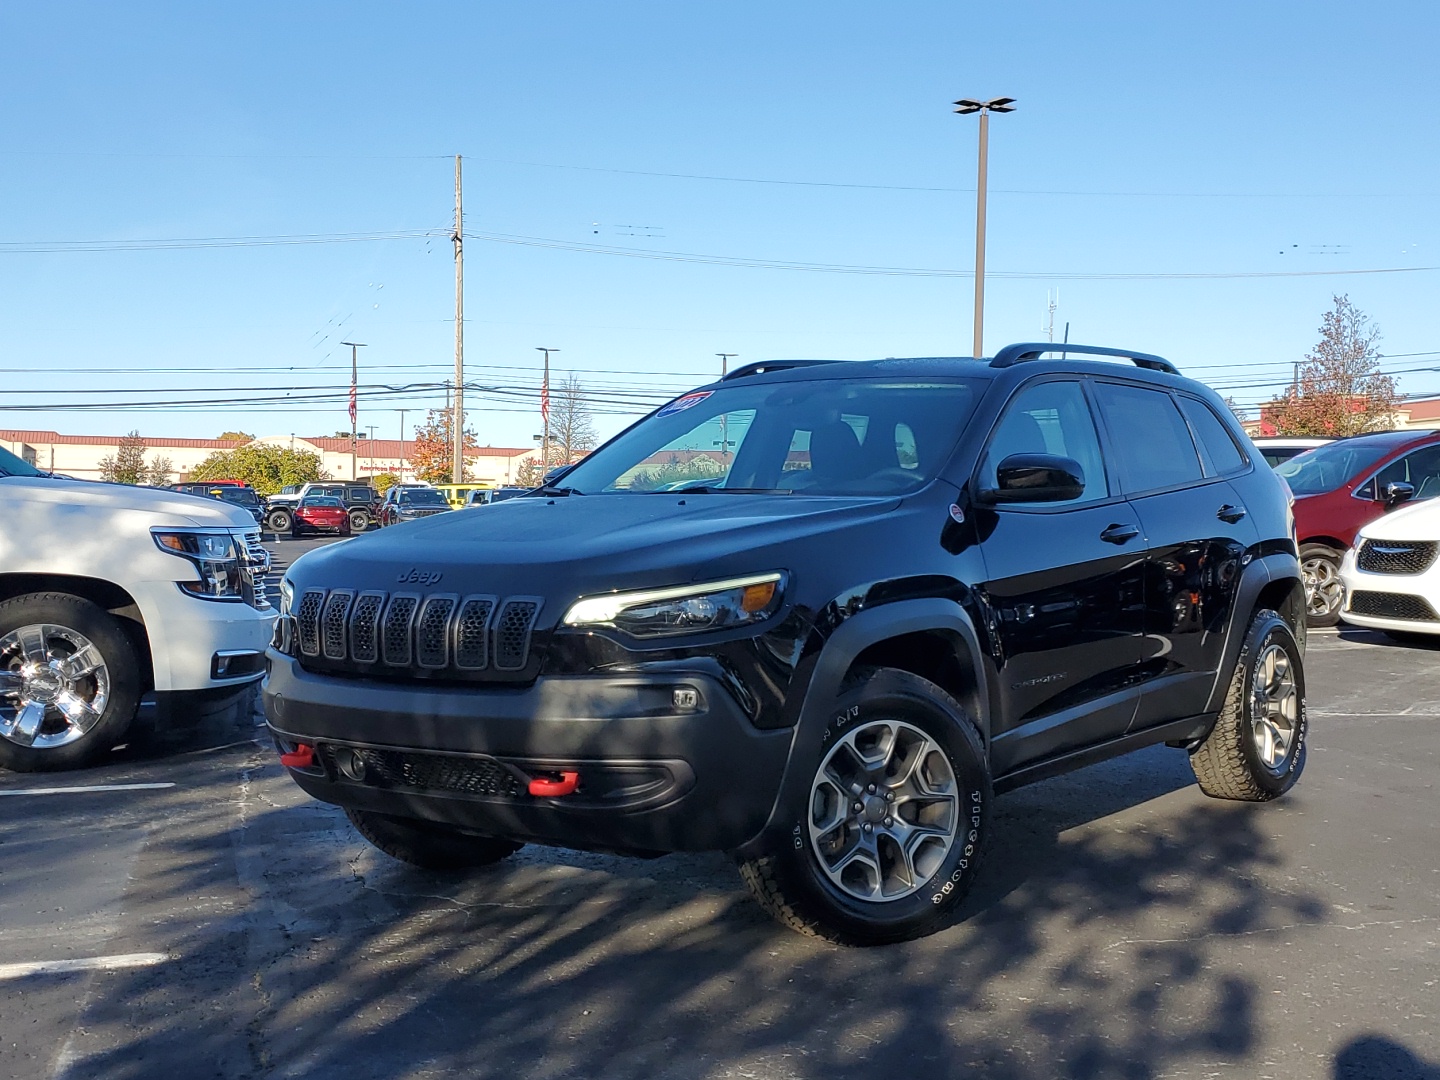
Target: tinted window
1153	448
10	465
1049	418
1421	470
422	497
322	501
1327	467
1215	441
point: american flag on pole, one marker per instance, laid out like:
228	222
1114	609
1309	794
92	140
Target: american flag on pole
545	400
352	405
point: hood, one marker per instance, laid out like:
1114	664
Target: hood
1417	521
168	507
587	543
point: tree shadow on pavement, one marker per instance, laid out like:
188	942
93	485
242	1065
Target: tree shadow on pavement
1099	942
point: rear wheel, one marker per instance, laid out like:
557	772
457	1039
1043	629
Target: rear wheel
1256	750
889	839
1324	592
70	682
279	520
429	844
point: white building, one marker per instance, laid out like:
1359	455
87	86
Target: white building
80	455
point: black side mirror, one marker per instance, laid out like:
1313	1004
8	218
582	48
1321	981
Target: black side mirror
1398	492
1036	478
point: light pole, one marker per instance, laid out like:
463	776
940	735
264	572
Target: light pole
966	106
545	414
354	378
725	417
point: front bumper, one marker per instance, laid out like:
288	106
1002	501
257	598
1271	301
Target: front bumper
200	644
1403	602
654	775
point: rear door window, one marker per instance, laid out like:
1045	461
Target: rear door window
1152	443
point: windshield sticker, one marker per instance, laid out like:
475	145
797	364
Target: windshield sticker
689	401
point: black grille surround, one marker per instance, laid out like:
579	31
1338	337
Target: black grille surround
1387	605
406	635
1395	556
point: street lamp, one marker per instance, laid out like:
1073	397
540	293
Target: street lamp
354	431
966	106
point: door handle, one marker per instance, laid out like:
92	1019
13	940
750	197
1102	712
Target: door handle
1230	514
1119	534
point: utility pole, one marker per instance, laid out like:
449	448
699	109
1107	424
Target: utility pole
1053	302
370	446
457	417
354	391
725	417
545	414
966	106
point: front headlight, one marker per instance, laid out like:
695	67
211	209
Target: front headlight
685	609
216	555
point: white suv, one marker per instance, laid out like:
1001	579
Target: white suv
108	592
1391	575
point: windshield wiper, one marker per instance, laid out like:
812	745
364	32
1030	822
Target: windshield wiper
706	489
550	489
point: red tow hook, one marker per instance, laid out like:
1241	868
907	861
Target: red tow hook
302	757
566	785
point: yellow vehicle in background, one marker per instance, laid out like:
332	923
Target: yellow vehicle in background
457	494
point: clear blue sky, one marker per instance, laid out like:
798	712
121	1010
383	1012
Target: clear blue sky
1149	140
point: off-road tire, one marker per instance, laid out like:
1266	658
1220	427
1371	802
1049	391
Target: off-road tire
359	520
1318	554
121	655
279	520
1227	765
429	844
787	879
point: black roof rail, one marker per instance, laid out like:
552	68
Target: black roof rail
760	367
1033	350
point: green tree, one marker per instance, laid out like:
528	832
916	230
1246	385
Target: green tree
236	436
265	467
384	482
1340	389
434	453
159	471
127	464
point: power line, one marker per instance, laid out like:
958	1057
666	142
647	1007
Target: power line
56	247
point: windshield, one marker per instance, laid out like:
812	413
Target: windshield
322	501
10	465
818	437
422	497
1327	467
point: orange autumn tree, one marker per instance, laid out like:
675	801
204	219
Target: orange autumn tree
433	454
1340	389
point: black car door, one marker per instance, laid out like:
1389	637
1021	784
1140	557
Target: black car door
1172	455
1064	583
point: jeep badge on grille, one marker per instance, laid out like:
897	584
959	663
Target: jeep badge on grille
414	576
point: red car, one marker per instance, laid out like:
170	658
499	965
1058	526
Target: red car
1343	485
321	514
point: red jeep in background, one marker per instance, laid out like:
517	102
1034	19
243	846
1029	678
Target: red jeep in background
1346	484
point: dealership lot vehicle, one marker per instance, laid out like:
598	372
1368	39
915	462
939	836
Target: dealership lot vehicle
231	491
173	601
360	500
410	503
1278	449
320	514
490	496
1342	486
917	581
1392	582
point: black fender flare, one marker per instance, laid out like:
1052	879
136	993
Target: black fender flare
1257	574
844	644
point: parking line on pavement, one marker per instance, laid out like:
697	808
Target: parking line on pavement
84	963
72	790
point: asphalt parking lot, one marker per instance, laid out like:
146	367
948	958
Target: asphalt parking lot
1123	926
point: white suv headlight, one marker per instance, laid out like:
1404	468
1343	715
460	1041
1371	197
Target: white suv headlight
685	609
217	555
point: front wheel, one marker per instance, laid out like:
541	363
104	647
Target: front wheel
279	521
888	841
1256	750
429	844
1324	591
359	520
70	682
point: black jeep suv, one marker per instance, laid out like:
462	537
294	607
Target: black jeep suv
815	615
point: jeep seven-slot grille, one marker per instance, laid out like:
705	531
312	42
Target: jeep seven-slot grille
1385	605
393	634
1395	556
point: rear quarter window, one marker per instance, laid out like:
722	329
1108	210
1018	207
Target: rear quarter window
1217	446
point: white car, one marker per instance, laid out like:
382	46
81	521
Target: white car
109	592
1392	576
1278	449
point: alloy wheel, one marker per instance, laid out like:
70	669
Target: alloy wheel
54	685
884	810
1324	591
1274	707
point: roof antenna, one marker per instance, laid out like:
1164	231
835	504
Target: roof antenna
1067	339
